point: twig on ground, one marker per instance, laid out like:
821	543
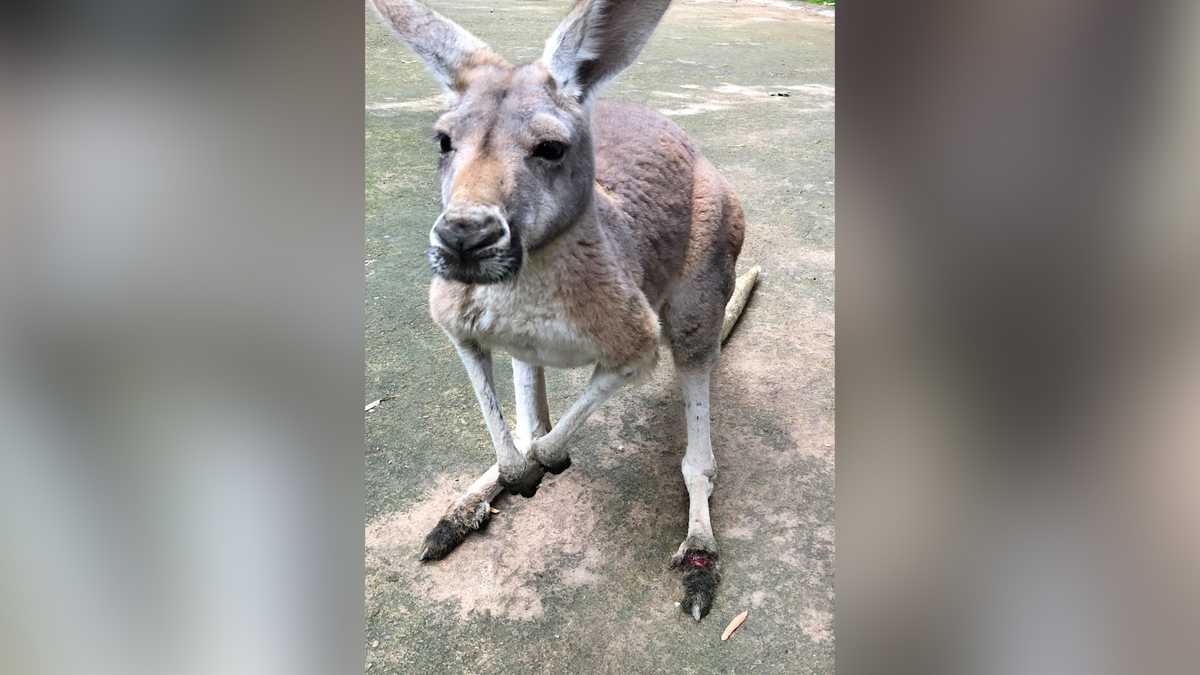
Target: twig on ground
375	404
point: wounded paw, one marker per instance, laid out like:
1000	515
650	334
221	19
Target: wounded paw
700	579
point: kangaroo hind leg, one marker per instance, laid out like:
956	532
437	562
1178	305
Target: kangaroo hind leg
694	334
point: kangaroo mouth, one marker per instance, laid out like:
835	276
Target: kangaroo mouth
490	265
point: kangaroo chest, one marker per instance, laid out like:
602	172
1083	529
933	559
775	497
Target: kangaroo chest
526	320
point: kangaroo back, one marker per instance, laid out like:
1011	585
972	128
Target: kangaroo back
662	202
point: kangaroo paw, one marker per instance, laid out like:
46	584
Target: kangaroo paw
700	579
557	465
453	528
524	484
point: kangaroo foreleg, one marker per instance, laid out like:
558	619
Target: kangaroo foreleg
551	449
517	473
533	411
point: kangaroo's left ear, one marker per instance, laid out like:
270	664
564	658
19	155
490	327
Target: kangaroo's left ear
599	39
448	49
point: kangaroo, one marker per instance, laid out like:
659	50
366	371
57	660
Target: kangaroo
571	230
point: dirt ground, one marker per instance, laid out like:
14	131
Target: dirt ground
577	579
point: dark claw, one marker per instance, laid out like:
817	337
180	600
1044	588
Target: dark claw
442	539
558	467
700	580
526	485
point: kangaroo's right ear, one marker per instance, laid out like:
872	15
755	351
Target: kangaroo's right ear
448	50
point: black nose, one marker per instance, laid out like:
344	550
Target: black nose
465	234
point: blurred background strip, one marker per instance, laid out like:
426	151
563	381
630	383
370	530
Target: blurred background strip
181	337
1018	337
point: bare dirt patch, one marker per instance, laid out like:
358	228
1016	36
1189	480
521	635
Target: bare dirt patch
760	11
424	104
494	572
801	98
817	624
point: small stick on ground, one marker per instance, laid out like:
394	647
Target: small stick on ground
375	404
741	294
735	624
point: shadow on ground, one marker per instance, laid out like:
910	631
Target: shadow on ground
576	580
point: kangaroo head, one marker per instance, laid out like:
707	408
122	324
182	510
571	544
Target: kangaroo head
516	160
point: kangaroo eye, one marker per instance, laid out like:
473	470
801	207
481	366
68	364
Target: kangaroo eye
550	150
444	143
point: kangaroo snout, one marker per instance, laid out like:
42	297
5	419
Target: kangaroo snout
466	231
474	244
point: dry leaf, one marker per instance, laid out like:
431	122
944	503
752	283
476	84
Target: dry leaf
493	510
735	624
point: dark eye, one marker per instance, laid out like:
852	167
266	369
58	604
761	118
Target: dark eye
444	143
550	150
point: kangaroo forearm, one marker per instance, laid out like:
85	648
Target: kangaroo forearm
478	364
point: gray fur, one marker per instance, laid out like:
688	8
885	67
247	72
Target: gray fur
599	39
446	48
630	232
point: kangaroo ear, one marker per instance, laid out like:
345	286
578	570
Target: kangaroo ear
597	40
447	49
